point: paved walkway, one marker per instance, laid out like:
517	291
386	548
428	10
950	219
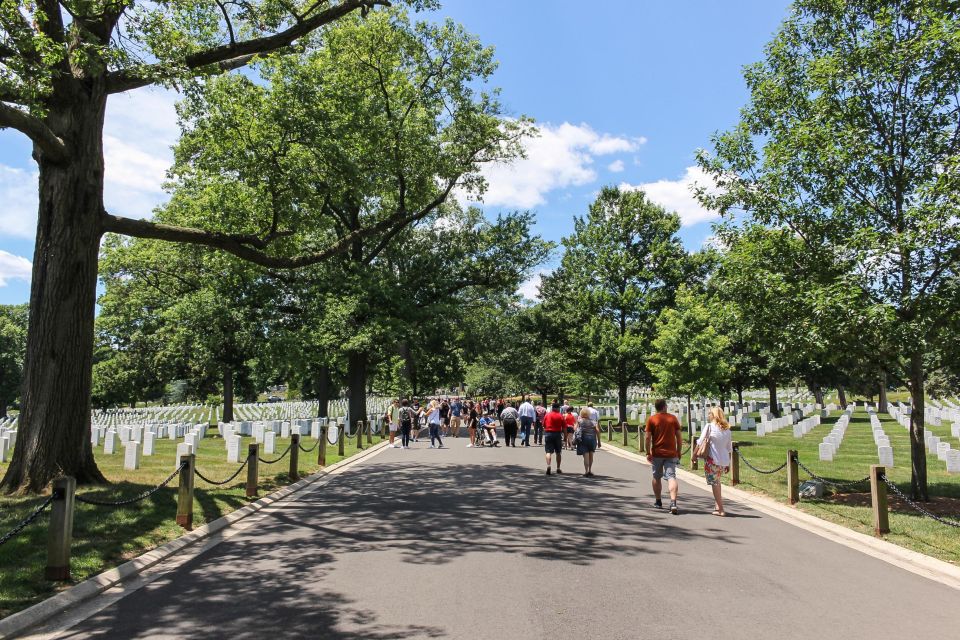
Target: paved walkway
477	543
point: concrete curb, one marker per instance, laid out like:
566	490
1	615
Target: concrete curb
912	561
17	623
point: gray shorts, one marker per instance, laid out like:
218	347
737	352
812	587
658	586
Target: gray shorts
665	468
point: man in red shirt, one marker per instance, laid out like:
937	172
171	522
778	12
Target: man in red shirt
553	428
664	440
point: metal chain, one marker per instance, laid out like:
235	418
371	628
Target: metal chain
838	485
917	507
305	450
137	498
772	471
282	456
26	521
685	451
230	479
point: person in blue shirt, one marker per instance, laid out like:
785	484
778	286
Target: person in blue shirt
490	429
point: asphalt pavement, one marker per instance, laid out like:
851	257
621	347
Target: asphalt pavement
479	543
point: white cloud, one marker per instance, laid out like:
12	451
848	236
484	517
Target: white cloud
530	289
677	195
141	126
559	157
616	166
13	268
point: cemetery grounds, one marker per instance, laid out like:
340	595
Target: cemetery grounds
104	538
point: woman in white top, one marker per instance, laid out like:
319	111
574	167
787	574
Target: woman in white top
718	453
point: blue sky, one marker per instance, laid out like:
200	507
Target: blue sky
624	92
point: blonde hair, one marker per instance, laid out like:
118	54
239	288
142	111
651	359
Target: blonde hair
716	415
585	413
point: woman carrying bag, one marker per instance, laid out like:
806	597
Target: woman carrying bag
715	447
585	439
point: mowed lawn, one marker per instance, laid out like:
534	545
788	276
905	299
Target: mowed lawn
105	537
851	507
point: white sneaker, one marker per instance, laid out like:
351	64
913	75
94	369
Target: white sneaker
469	445
432	447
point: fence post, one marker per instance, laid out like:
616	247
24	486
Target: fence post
626	432
793	477
341	440
641	439
735	465
294	472
253	472
60	535
609	430
185	492
384	429
322	448
369	433
359	435
878	497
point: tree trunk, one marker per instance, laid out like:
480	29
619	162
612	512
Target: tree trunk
817	391
622	399
357	385
882	404
842	396
772	388
740	394
323	391
227	394
689	419
918	452
55	409
543	395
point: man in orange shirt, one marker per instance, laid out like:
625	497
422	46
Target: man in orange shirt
664	440
553	428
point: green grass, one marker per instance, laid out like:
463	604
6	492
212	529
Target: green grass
853	460
106	537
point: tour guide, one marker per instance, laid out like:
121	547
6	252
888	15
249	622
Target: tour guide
553	426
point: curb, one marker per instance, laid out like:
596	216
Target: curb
912	561
41	612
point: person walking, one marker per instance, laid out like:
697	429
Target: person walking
473	421
407	418
456	410
664	440
393	420
434	421
527	415
420	422
509	419
716	447
540	412
553	428
570	417
445	417
586	438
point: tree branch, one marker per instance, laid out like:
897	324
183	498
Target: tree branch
127	79
46	140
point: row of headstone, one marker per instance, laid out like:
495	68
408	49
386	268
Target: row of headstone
805	426
8	438
831	442
880	439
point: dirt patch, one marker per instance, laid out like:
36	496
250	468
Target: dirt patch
942	506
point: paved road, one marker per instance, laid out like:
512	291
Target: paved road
476	543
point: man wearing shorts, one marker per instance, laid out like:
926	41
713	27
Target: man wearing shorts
456	410
664	440
553	431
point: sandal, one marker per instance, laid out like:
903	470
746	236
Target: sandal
720	514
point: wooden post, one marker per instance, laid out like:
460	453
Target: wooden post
359	434
253	472
60	534
609	430
793	477
384	429
369	433
641	439
735	465
185	492
341	441
878	497
322	448
626	432
294	472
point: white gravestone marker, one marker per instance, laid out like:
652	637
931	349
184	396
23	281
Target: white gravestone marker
269	442
110	442
183	449
149	442
131	455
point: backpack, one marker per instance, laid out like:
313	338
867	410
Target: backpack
405	420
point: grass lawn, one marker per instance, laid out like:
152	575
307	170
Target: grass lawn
106	537
852	462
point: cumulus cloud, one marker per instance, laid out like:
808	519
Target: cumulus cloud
558	157
530	289
18	193
677	195
616	166
13	268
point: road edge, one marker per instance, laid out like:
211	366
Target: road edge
912	561
17	623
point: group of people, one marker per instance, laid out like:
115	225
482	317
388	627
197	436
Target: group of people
563	428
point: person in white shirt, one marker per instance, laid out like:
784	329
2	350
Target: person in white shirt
433	419
718	448
527	415
594	414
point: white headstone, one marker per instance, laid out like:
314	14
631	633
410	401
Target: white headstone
4	448
110	442
131	455
183	449
269	442
826	452
149	442
233	448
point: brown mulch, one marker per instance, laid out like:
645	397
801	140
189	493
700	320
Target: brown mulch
940	505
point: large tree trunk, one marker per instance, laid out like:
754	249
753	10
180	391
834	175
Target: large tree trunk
323	391
817	391
772	389
842	396
622	399
740	394
918	452
227	394
543	395
55	409
357	385
882	404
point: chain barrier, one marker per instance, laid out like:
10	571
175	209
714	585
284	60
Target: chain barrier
137	498
26	521
685	451
282	456
837	485
761	471
305	450
893	487
228	480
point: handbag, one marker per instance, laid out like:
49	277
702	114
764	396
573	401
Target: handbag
703	447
